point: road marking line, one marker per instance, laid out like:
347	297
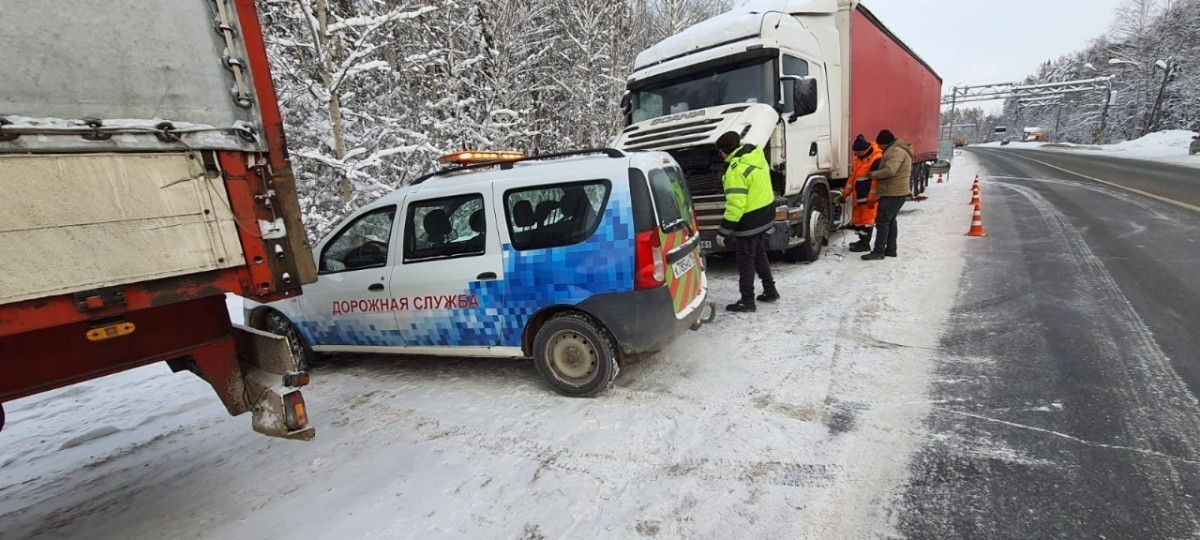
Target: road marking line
1160	198
1070	437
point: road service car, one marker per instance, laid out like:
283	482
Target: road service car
576	260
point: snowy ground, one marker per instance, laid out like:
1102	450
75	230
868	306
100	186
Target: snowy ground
796	421
1166	146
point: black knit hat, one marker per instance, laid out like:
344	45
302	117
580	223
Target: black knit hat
861	144
729	142
885	137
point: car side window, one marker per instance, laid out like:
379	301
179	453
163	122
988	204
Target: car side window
792	66
361	244
444	228
555	215
672	201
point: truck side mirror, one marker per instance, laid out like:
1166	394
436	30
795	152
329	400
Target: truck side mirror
805	96
627	103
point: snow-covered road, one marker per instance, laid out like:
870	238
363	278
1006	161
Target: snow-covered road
796	421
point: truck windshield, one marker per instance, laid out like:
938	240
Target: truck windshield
745	83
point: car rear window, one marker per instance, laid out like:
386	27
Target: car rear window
555	215
672	200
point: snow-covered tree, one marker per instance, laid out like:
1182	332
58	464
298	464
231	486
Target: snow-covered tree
374	90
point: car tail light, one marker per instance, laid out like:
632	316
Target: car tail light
650	268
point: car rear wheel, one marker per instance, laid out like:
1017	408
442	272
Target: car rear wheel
277	324
575	355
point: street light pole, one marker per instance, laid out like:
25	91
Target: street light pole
1102	135
1167	67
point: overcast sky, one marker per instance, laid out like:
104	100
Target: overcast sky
990	41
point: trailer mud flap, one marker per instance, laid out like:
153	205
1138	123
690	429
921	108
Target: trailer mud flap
272	382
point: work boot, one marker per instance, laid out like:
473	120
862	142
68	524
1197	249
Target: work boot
769	295
742	306
873	256
889	254
860	246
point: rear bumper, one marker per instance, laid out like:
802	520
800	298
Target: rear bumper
642	321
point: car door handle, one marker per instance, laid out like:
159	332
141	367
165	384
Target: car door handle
375	287
486	276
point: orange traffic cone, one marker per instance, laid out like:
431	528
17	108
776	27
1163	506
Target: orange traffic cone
940	178
975	198
977	181
977	224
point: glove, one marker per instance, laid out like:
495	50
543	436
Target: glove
721	241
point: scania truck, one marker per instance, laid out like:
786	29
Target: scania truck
799	78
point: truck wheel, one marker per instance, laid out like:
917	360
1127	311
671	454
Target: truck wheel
277	324
816	218
575	355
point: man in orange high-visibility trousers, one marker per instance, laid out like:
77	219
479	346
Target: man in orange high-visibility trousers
861	191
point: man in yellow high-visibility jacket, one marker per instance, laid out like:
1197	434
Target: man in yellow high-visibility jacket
749	213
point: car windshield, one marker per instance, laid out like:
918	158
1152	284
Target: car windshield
744	83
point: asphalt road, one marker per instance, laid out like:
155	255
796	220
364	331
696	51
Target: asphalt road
1065	392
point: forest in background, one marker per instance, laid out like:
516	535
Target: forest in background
1147	38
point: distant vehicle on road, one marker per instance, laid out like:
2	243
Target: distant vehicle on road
573	259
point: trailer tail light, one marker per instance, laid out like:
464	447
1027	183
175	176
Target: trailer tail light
650	268
294	411
295	378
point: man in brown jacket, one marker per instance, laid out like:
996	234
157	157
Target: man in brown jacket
893	187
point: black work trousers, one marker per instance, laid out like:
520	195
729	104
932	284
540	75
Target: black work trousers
751	253
885	224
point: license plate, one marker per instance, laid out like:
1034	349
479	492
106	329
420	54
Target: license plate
706	245
683	266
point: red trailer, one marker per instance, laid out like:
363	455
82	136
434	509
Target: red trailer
891	87
145	175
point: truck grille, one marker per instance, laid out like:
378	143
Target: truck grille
685	133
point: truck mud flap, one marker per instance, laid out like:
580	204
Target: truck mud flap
779	236
272	384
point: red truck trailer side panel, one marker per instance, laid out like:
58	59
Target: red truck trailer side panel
890	88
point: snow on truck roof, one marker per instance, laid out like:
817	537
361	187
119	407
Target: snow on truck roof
745	22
